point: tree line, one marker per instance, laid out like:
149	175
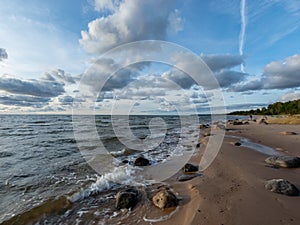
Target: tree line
286	108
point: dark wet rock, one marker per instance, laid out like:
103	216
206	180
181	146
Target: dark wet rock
141	161
187	177
284	161
198	145
165	199
237	122
127	198
203	126
282	187
125	161
188	168
288	133
237	143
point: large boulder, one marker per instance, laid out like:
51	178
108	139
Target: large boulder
282	187
141	161
284	161
190	168
165	199
126	199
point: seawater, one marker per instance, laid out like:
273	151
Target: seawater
42	167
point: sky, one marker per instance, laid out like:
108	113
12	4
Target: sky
54	53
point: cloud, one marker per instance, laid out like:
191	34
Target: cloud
290	96
220	66
180	78
61	75
276	75
32	87
105	76
219	62
66	100
106	5
228	78
130	20
248	86
3	54
24	101
283	73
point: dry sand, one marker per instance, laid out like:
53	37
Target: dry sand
232	191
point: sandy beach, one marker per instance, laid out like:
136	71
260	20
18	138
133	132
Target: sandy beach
232	190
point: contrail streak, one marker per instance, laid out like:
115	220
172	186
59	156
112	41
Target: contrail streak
242	32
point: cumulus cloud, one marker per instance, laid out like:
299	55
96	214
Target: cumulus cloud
130	20
106	5
61	75
290	96
32	87
219	64
3	54
283	73
228	78
276	75
105	76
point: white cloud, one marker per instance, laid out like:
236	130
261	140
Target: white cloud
290	96
109	5
132	20
276	75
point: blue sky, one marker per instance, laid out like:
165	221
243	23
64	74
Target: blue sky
47	47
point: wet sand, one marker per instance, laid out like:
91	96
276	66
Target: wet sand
232	191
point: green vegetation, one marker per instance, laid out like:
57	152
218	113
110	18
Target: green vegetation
278	108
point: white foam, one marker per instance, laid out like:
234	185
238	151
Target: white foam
120	175
160	219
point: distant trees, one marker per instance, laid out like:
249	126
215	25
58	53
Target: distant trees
287	108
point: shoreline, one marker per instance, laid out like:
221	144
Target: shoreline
232	190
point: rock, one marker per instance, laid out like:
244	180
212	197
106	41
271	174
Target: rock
202	126
282	187
126	199
188	168
237	144
187	177
287	133
198	145
141	161
165	199
125	161
284	161
206	134
244	122
261	121
237	122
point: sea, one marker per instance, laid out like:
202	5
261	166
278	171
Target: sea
48	173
